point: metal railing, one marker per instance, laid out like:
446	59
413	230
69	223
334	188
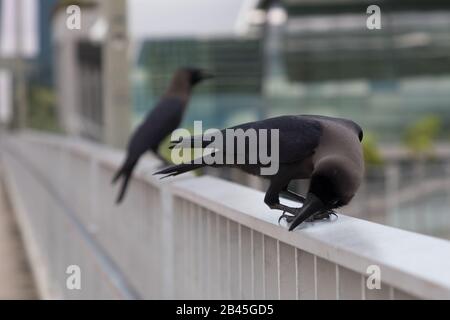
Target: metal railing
195	237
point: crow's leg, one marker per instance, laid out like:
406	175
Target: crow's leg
292	195
288	217
272	199
282	207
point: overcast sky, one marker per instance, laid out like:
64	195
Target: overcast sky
185	17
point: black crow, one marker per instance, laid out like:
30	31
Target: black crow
326	150
165	117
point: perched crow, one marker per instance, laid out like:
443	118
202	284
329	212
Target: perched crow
160	122
325	150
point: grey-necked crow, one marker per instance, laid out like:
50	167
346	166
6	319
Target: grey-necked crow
160	122
323	149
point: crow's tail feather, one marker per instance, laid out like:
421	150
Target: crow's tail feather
117	175
178	169
125	171
123	189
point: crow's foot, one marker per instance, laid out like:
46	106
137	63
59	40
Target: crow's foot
292	212
322	216
317	217
287	217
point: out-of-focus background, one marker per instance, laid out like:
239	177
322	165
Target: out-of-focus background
271	57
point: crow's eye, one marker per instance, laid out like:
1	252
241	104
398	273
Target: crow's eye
361	135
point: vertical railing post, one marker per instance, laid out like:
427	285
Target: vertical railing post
167	242
93	194
392	176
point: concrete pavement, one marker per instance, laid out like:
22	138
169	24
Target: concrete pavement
16	280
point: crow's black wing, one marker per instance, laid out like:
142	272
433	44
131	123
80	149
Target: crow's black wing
298	137
345	122
160	122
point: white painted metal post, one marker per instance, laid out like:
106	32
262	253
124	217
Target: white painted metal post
167	242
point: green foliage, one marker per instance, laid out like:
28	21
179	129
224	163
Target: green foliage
372	155
42	110
420	136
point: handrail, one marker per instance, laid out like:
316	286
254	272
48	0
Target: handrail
413	264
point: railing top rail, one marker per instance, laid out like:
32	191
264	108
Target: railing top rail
106	155
412	262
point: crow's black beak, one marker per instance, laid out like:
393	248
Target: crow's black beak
311	206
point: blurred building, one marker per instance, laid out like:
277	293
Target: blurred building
44	59
384	79
271	57
301	56
92	70
79	74
222	41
